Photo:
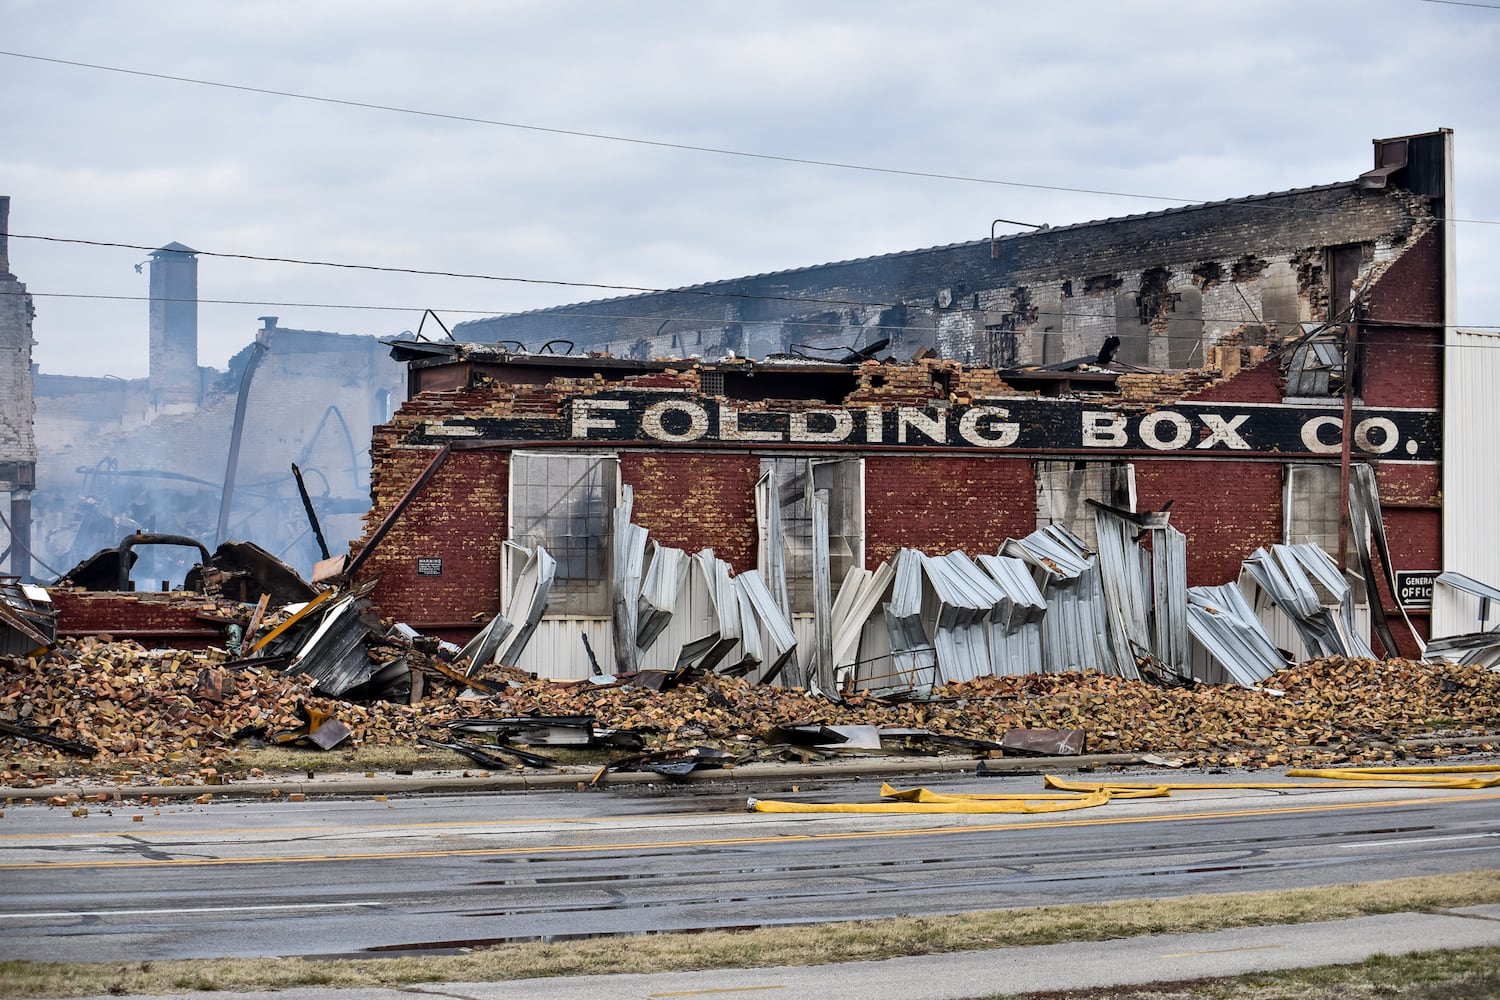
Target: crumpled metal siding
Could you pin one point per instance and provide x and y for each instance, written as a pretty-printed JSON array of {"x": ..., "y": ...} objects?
[
  {"x": 1016, "y": 621},
  {"x": 1125, "y": 573},
  {"x": 1075, "y": 629},
  {"x": 660, "y": 590},
  {"x": 1290, "y": 577},
  {"x": 1482, "y": 646},
  {"x": 956, "y": 608},
  {"x": 629, "y": 561},
  {"x": 1222, "y": 622},
  {"x": 913, "y": 657},
  {"x": 764, "y": 622}
]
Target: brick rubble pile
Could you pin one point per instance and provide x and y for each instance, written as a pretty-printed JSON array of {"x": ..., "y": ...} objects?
[{"x": 160, "y": 710}]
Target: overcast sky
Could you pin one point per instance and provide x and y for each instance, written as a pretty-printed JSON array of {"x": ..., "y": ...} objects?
[{"x": 1184, "y": 101}]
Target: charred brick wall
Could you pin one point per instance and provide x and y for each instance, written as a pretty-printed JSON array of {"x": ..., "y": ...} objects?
[
  {"x": 938, "y": 504},
  {"x": 17, "y": 438},
  {"x": 153, "y": 620},
  {"x": 1170, "y": 284},
  {"x": 697, "y": 500}
]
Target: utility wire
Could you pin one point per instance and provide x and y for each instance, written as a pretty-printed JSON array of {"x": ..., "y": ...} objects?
[
  {"x": 563, "y": 313},
  {"x": 639, "y": 289},
  {"x": 656, "y": 143}
]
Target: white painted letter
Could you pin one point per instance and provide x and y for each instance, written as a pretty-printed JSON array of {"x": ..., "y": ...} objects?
[
  {"x": 1314, "y": 442},
  {"x": 934, "y": 428},
  {"x": 843, "y": 424},
  {"x": 1224, "y": 431},
  {"x": 983, "y": 426},
  {"x": 1182, "y": 430},
  {"x": 1102, "y": 429},
  {"x": 585, "y": 421},
  {"x": 651, "y": 420},
  {"x": 1389, "y": 435}
]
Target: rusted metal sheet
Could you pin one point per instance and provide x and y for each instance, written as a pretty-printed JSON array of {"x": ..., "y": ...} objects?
[{"x": 1044, "y": 742}]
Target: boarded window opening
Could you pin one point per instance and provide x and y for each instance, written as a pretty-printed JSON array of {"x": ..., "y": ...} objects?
[
  {"x": 843, "y": 481},
  {"x": 1312, "y": 512},
  {"x": 565, "y": 503},
  {"x": 1063, "y": 490}
]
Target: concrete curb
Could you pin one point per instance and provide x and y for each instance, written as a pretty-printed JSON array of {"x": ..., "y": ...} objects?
[
  {"x": 352, "y": 785},
  {"x": 349, "y": 785}
]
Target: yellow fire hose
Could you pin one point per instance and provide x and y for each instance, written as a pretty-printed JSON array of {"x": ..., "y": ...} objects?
[{"x": 1073, "y": 794}]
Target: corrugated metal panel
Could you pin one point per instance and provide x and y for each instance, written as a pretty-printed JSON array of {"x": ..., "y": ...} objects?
[
  {"x": 628, "y": 564},
  {"x": 1226, "y": 629},
  {"x": 1305, "y": 584},
  {"x": 1470, "y": 605},
  {"x": 1170, "y": 592},
  {"x": 857, "y": 605},
  {"x": 660, "y": 593},
  {"x": 1480, "y": 643},
  {"x": 718, "y": 576},
  {"x": 772, "y": 540},
  {"x": 956, "y": 607},
  {"x": 1016, "y": 622},
  {"x": 764, "y": 620},
  {"x": 1471, "y": 473},
  {"x": 1125, "y": 572},
  {"x": 555, "y": 649},
  {"x": 913, "y": 658},
  {"x": 1075, "y": 630}
]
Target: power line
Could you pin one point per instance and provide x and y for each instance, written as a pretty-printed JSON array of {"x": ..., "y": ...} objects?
[
  {"x": 656, "y": 143},
  {"x": 564, "y": 314},
  {"x": 1465, "y": 3},
  {"x": 421, "y": 272}
]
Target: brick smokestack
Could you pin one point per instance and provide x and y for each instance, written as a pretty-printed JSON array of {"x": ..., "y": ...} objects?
[
  {"x": 4, "y": 234},
  {"x": 174, "y": 326}
]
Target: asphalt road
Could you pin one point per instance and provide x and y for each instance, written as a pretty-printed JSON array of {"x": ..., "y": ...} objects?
[{"x": 363, "y": 878}]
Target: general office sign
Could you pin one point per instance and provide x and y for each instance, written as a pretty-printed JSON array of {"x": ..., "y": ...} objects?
[{"x": 1014, "y": 425}]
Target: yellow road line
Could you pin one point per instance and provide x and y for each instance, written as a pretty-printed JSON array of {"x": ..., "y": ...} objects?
[
  {"x": 137, "y": 831},
  {"x": 546, "y": 849},
  {"x": 1221, "y": 951},
  {"x": 727, "y": 989}
]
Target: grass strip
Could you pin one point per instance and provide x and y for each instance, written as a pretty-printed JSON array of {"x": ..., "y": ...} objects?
[{"x": 815, "y": 944}]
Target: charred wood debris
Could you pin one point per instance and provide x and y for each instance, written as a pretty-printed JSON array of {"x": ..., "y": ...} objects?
[{"x": 327, "y": 673}]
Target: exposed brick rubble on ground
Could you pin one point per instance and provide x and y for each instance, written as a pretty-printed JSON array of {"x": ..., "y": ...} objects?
[{"x": 174, "y": 712}]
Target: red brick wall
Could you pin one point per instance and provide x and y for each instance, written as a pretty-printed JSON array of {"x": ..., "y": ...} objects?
[
  {"x": 460, "y": 517},
  {"x": 1261, "y": 384},
  {"x": 694, "y": 501},
  {"x": 1402, "y": 367},
  {"x": 943, "y": 503},
  {"x": 1408, "y": 485},
  {"x": 1227, "y": 510},
  {"x": 1411, "y": 289}
]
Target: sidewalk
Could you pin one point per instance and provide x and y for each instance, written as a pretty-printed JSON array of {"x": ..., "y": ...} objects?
[{"x": 968, "y": 975}]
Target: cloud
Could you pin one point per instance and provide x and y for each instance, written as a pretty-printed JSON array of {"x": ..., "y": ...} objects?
[{"x": 1214, "y": 102}]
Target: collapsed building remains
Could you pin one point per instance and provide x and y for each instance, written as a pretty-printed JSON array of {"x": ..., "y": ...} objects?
[{"x": 1247, "y": 393}]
